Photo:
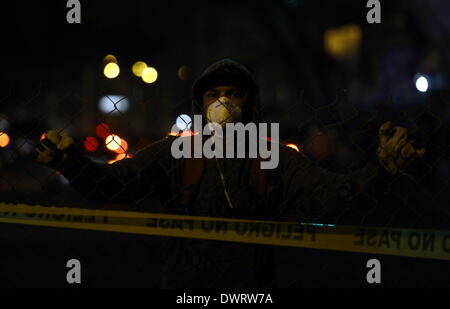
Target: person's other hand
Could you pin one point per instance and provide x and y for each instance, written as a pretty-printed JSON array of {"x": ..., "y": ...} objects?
[
  {"x": 52, "y": 149},
  {"x": 395, "y": 148}
]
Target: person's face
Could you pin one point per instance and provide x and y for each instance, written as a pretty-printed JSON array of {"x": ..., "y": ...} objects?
[{"x": 236, "y": 95}]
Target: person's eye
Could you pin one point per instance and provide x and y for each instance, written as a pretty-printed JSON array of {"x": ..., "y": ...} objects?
[{"x": 211, "y": 94}]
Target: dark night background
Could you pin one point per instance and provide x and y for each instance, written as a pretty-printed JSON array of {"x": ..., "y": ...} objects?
[{"x": 329, "y": 105}]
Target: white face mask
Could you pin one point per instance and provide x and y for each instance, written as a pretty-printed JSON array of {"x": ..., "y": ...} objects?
[{"x": 223, "y": 111}]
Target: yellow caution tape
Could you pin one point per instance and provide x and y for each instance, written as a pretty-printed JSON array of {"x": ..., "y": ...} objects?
[{"x": 432, "y": 244}]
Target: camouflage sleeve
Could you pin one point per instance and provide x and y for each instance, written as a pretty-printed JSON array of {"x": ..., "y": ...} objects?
[
  {"x": 311, "y": 192},
  {"x": 123, "y": 182}
]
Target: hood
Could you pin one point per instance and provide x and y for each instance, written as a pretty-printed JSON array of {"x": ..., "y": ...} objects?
[{"x": 228, "y": 72}]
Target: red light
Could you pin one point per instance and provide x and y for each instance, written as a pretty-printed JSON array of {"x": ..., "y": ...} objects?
[
  {"x": 102, "y": 130},
  {"x": 42, "y": 136},
  {"x": 90, "y": 144},
  {"x": 113, "y": 142}
]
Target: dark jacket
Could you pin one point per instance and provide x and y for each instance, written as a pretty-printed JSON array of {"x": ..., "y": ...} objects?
[{"x": 296, "y": 190}]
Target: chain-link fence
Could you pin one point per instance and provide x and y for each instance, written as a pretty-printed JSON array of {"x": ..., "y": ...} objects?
[{"x": 118, "y": 161}]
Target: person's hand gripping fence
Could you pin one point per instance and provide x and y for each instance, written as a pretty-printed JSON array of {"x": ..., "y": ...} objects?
[
  {"x": 395, "y": 148},
  {"x": 52, "y": 150}
]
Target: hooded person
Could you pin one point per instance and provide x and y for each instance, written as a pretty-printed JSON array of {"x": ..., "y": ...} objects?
[
  {"x": 295, "y": 190},
  {"x": 228, "y": 72}
]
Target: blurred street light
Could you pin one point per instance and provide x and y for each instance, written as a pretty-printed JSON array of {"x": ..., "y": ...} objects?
[
  {"x": 108, "y": 59},
  {"x": 342, "y": 42},
  {"x": 123, "y": 148},
  {"x": 111, "y": 70},
  {"x": 184, "y": 73},
  {"x": 90, "y": 144},
  {"x": 138, "y": 68},
  {"x": 149, "y": 75},
  {"x": 102, "y": 130},
  {"x": 113, "y": 104},
  {"x": 421, "y": 82},
  {"x": 293, "y": 146},
  {"x": 113, "y": 142},
  {"x": 119, "y": 157},
  {"x": 183, "y": 122},
  {"x": 4, "y": 139}
]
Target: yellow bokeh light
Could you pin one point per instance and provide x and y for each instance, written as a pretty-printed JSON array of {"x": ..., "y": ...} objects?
[
  {"x": 4, "y": 139},
  {"x": 343, "y": 42},
  {"x": 111, "y": 70},
  {"x": 138, "y": 68},
  {"x": 184, "y": 72},
  {"x": 149, "y": 75},
  {"x": 113, "y": 142},
  {"x": 108, "y": 59}
]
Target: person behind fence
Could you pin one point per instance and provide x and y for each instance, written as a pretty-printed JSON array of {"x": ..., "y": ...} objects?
[{"x": 296, "y": 189}]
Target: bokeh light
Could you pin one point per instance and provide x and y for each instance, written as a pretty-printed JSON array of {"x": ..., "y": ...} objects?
[
  {"x": 343, "y": 42},
  {"x": 183, "y": 122},
  {"x": 111, "y": 70},
  {"x": 184, "y": 73},
  {"x": 108, "y": 59},
  {"x": 149, "y": 75},
  {"x": 113, "y": 104},
  {"x": 102, "y": 130},
  {"x": 113, "y": 142},
  {"x": 4, "y": 139},
  {"x": 119, "y": 157},
  {"x": 293, "y": 146},
  {"x": 422, "y": 83},
  {"x": 123, "y": 148},
  {"x": 138, "y": 68},
  {"x": 182, "y": 134},
  {"x": 90, "y": 144}
]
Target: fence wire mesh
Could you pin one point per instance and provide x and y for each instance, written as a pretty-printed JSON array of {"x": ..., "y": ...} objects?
[{"x": 137, "y": 172}]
